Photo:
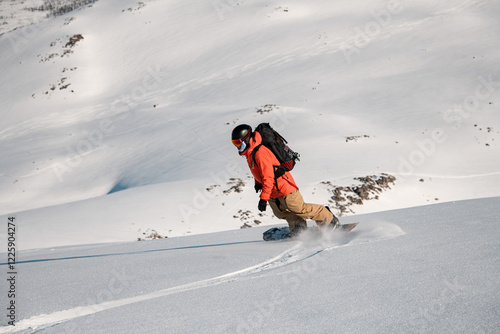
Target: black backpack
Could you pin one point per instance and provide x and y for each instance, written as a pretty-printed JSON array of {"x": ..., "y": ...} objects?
[{"x": 277, "y": 144}]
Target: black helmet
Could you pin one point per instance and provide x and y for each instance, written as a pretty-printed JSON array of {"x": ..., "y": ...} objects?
[
  {"x": 241, "y": 134},
  {"x": 242, "y": 131}
]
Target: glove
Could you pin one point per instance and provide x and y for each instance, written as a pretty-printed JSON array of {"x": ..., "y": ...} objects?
[
  {"x": 258, "y": 186},
  {"x": 262, "y": 205}
]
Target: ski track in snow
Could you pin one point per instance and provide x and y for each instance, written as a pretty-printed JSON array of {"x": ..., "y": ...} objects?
[{"x": 308, "y": 246}]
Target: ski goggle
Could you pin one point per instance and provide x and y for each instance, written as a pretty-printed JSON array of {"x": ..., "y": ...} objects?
[{"x": 237, "y": 142}]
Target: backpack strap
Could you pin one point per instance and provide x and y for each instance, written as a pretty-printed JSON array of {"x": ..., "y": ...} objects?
[
  {"x": 254, "y": 152},
  {"x": 279, "y": 171}
]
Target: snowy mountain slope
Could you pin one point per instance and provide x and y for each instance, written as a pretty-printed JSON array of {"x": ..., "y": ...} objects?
[
  {"x": 418, "y": 270},
  {"x": 15, "y": 14},
  {"x": 122, "y": 132}
]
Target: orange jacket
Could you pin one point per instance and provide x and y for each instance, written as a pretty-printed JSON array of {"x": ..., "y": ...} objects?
[{"x": 263, "y": 171}]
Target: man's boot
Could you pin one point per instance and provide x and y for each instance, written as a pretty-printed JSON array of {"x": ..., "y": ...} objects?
[{"x": 334, "y": 223}]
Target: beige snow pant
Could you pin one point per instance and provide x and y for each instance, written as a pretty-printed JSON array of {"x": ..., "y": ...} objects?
[{"x": 293, "y": 209}]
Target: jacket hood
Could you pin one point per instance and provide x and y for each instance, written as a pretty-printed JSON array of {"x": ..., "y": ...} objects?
[{"x": 255, "y": 140}]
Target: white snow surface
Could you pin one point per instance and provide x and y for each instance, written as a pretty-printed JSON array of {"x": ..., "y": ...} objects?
[
  {"x": 125, "y": 135},
  {"x": 430, "y": 269}
]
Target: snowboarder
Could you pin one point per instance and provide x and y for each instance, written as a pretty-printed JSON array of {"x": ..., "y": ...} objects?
[{"x": 282, "y": 193}]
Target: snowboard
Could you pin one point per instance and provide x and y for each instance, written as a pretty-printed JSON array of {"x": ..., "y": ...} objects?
[{"x": 280, "y": 233}]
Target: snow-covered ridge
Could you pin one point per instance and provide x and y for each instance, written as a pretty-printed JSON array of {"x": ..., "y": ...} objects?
[
  {"x": 18, "y": 14},
  {"x": 125, "y": 134}
]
